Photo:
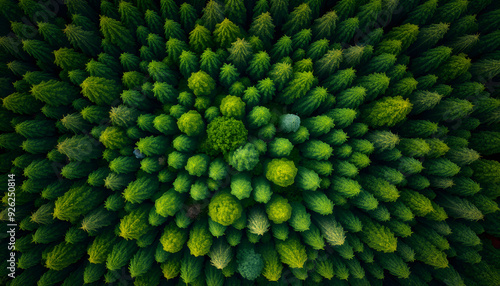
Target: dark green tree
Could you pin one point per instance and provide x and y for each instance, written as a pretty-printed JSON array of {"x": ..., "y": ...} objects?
[
  {"x": 116, "y": 33},
  {"x": 200, "y": 38},
  {"x": 188, "y": 16},
  {"x": 212, "y": 14}
]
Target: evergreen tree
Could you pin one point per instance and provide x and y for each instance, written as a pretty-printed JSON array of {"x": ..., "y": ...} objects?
[
  {"x": 169, "y": 9},
  {"x": 77, "y": 201},
  {"x": 291, "y": 252},
  {"x": 346, "y": 29},
  {"x": 212, "y": 15},
  {"x": 87, "y": 41},
  {"x": 298, "y": 87},
  {"x": 298, "y": 19},
  {"x": 317, "y": 49},
  {"x": 280, "y": 73},
  {"x": 328, "y": 63},
  {"x": 54, "y": 92},
  {"x": 200, "y": 38},
  {"x": 352, "y": 97},
  {"x": 429, "y": 36},
  {"x": 235, "y": 10},
  {"x": 240, "y": 53},
  {"x": 453, "y": 67},
  {"x": 375, "y": 84},
  {"x": 279, "y": 11},
  {"x": 431, "y": 59},
  {"x": 116, "y": 33},
  {"x": 406, "y": 33},
  {"x": 282, "y": 48},
  {"x": 39, "y": 50},
  {"x": 422, "y": 13},
  {"x": 324, "y": 27},
  {"x": 63, "y": 255},
  {"x": 263, "y": 27},
  {"x": 100, "y": 90},
  {"x": 387, "y": 111},
  {"x": 173, "y": 30},
  {"x": 188, "y": 16}
]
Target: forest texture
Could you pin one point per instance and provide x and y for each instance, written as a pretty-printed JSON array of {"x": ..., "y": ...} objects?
[{"x": 261, "y": 142}]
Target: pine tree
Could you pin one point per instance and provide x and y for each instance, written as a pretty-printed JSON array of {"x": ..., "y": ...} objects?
[
  {"x": 346, "y": 29},
  {"x": 100, "y": 90},
  {"x": 298, "y": 19},
  {"x": 240, "y": 53},
  {"x": 116, "y": 33},
  {"x": 375, "y": 84},
  {"x": 259, "y": 65},
  {"x": 279, "y": 11},
  {"x": 422, "y": 13},
  {"x": 173, "y": 30},
  {"x": 406, "y": 33},
  {"x": 324, "y": 27},
  {"x": 317, "y": 49},
  {"x": 298, "y": 87},
  {"x": 63, "y": 255},
  {"x": 318, "y": 202},
  {"x": 54, "y": 92},
  {"x": 280, "y": 74},
  {"x": 282, "y": 48},
  {"x": 387, "y": 111},
  {"x": 188, "y": 16},
  {"x": 453, "y": 67},
  {"x": 352, "y": 97},
  {"x": 313, "y": 100},
  {"x": 77, "y": 201},
  {"x": 87, "y": 41},
  {"x": 329, "y": 63},
  {"x": 39, "y": 50},
  {"x": 263, "y": 27},
  {"x": 369, "y": 13},
  {"x": 235, "y": 10},
  {"x": 200, "y": 38},
  {"x": 291, "y": 252},
  {"x": 212, "y": 15},
  {"x": 429, "y": 36}
]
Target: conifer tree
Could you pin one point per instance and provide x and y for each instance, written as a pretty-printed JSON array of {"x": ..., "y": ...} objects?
[
  {"x": 212, "y": 14},
  {"x": 422, "y": 13},
  {"x": 280, "y": 73},
  {"x": 100, "y": 90},
  {"x": 375, "y": 84},
  {"x": 54, "y": 92},
  {"x": 115, "y": 32},
  {"x": 235, "y": 10},
  {"x": 298, "y": 87},
  {"x": 298, "y": 19},
  {"x": 324, "y": 27},
  {"x": 282, "y": 48},
  {"x": 346, "y": 29},
  {"x": 87, "y": 41},
  {"x": 240, "y": 53},
  {"x": 387, "y": 111},
  {"x": 291, "y": 252},
  {"x": 187, "y": 15},
  {"x": 279, "y": 11},
  {"x": 173, "y": 30}
]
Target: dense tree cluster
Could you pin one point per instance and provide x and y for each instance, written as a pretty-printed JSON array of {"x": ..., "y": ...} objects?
[{"x": 263, "y": 142}]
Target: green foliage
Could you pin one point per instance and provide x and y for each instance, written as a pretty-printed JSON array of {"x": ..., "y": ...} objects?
[
  {"x": 226, "y": 134},
  {"x": 224, "y": 209},
  {"x": 261, "y": 131},
  {"x": 282, "y": 172},
  {"x": 278, "y": 209},
  {"x": 291, "y": 252}
]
